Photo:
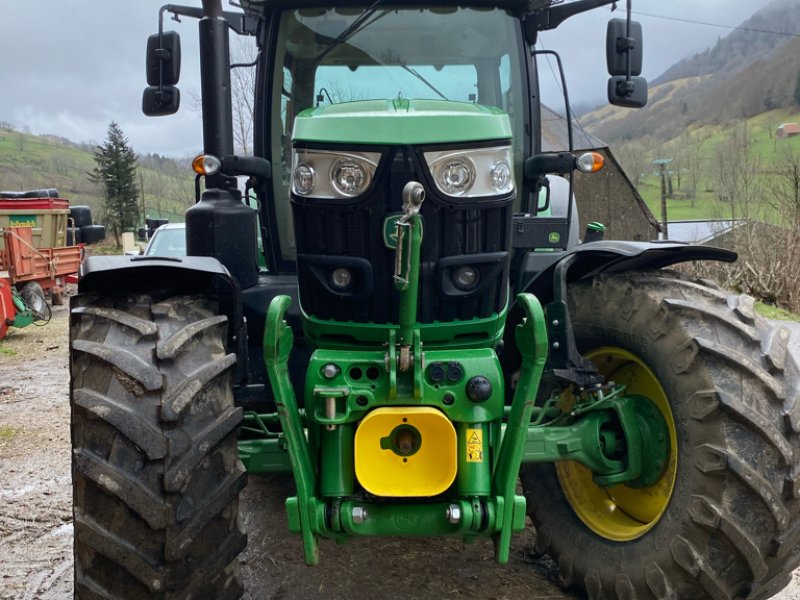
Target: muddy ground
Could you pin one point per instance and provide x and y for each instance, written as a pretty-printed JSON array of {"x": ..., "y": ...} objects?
[{"x": 36, "y": 517}]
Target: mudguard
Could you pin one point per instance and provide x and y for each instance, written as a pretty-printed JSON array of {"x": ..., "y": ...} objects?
[
  {"x": 194, "y": 274},
  {"x": 609, "y": 256},
  {"x": 167, "y": 276},
  {"x": 537, "y": 270}
]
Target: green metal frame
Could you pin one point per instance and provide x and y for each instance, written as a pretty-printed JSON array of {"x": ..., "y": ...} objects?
[
  {"x": 614, "y": 435},
  {"x": 357, "y": 368}
]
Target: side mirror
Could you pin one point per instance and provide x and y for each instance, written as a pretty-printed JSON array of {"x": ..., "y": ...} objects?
[
  {"x": 163, "y": 66},
  {"x": 163, "y": 58},
  {"x": 160, "y": 102},
  {"x": 630, "y": 93},
  {"x": 622, "y": 46}
]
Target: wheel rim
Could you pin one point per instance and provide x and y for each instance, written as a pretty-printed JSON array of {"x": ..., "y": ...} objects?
[
  {"x": 35, "y": 300},
  {"x": 621, "y": 513}
]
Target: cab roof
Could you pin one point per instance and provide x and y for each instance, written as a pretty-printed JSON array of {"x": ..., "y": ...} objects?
[{"x": 527, "y": 6}]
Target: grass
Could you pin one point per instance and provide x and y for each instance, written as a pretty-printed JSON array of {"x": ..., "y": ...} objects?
[
  {"x": 6, "y": 351},
  {"x": 773, "y": 312},
  {"x": 706, "y": 205},
  {"x": 7, "y": 433},
  {"x": 106, "y": 250}
]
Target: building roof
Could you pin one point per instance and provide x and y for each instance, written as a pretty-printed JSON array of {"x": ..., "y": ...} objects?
[
  {"x": 700, "y": 232},
  {"x": 789, "y": 128}
]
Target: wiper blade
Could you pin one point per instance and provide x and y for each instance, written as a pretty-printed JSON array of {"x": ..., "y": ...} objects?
[
  {"x": 416, "y": 74},
  {"x": 351, "y": 29}
]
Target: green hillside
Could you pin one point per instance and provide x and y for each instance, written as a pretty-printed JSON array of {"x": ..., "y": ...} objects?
[
  {"x": 774, "y": 162},
  {"x": 41, "y": 161}
]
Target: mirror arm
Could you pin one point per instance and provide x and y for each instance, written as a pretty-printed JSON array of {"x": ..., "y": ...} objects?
[
  {"x": 241, "y": 23},
  {"x": 630, "y": 44},
  {"x": 627, "y": 44},
  {"x": 550, "y": 18}
]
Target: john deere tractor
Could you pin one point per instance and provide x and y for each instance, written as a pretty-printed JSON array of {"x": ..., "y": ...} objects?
[{"x": 428, "y": 330}]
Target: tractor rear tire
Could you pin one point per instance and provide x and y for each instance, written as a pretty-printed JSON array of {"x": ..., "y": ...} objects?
[
  {"x": 724, "y": 520},
  {"x": 155, "y": 469}
]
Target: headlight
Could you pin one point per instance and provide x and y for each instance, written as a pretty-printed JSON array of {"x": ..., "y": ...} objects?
[
  {"x": 455, "y": 175},
  {"x": 350, "y": 177},
  {"x": 472, "y": 173},
  {"x": 305, "y": 179},
  {"x": 326, "y": 174}
]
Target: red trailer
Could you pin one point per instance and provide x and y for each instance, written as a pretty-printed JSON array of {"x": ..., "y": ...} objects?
[
  {"x": 41, "y": 239},
  {"x": 47, "y": 267}
]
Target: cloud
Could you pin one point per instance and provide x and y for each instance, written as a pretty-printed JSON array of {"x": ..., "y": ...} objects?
[{"x": 78, "y": 64}]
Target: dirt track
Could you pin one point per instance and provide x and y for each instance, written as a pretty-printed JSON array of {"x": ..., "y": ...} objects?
[{"x": 36, "y": 515}]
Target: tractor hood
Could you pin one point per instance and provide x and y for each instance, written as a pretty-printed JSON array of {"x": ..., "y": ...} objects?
[{"x": 403, "y": 122}]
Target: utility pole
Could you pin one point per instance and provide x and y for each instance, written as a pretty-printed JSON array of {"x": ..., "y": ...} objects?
[
  {"x": 662, "y": 168},
  {"x": 141, "y": 189}
]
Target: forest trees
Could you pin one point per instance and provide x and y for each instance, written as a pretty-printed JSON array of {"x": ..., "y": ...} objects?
[{"x": 115, "y": 170}]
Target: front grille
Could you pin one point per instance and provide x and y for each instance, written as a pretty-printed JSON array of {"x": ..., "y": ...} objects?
[{"x": 349, "y": 234}]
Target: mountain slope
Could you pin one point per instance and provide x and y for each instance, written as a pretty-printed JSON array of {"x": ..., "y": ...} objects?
[
  {"x": 747, "y": 73},
  {"x": 29, "y": 162},
  {"x": 743, "y": 46}
]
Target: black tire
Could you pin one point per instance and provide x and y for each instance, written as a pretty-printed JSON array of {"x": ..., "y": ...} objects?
[
  {"x": 32, "y": 295},
  {"x": 731, "y": 524},
  {"x": 155, "y": 469},
  {"x": 91, "y": 234},
  {"x": 81, "y": 215},
  {"x": 73, "y": 236}
]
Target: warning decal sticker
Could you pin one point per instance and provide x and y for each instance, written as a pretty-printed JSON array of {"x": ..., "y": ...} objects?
[{"x": 474, "y": 445}]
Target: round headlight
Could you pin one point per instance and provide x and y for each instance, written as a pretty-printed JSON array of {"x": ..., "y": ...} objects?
[
  {"x": 465, "y": 278},
  {"x": 305, "y": 179},
  {"x": 341, "y": 279},
  {"x": 349, "y": 177},
  {"x": 456, "y": 176},
  {"x": 501, "y": 177}
]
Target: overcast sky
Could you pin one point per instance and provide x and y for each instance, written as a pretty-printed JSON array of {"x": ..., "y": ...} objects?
[{"x": 69, "y": 67}]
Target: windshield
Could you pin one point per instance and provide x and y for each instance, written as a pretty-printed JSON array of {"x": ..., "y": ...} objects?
[
  {"x": 168, "y": 242},
  {"x": 333, "y": 55}
]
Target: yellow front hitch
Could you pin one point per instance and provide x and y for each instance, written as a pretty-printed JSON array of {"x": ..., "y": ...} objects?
[{"x": 406, "y": 452}]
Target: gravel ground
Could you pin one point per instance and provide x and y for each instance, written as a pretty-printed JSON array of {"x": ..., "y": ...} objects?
[{"x": 36, "y": 527}]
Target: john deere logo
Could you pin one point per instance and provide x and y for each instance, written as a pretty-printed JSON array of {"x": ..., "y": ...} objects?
[
  {"x": 390, "y": 230},
  {"x": 554, "y": 237}
]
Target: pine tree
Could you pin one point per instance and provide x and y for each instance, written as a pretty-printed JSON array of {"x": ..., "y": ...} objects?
[{"x": 116, "y": 171}]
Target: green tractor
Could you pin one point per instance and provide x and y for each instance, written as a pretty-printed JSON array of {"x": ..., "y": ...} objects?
[{"x": 428, "y": 336}]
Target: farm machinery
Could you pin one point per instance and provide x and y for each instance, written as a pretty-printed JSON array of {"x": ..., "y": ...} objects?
[
  {"x": 39, "y": 250},
  {"x": 429, "y": 337}
]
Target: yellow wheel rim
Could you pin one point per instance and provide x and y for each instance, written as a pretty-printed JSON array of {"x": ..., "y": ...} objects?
[{"x": 622, "y": 513}]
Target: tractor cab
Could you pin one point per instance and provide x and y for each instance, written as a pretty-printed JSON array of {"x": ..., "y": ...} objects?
[{"x": 407, "y": 75}]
